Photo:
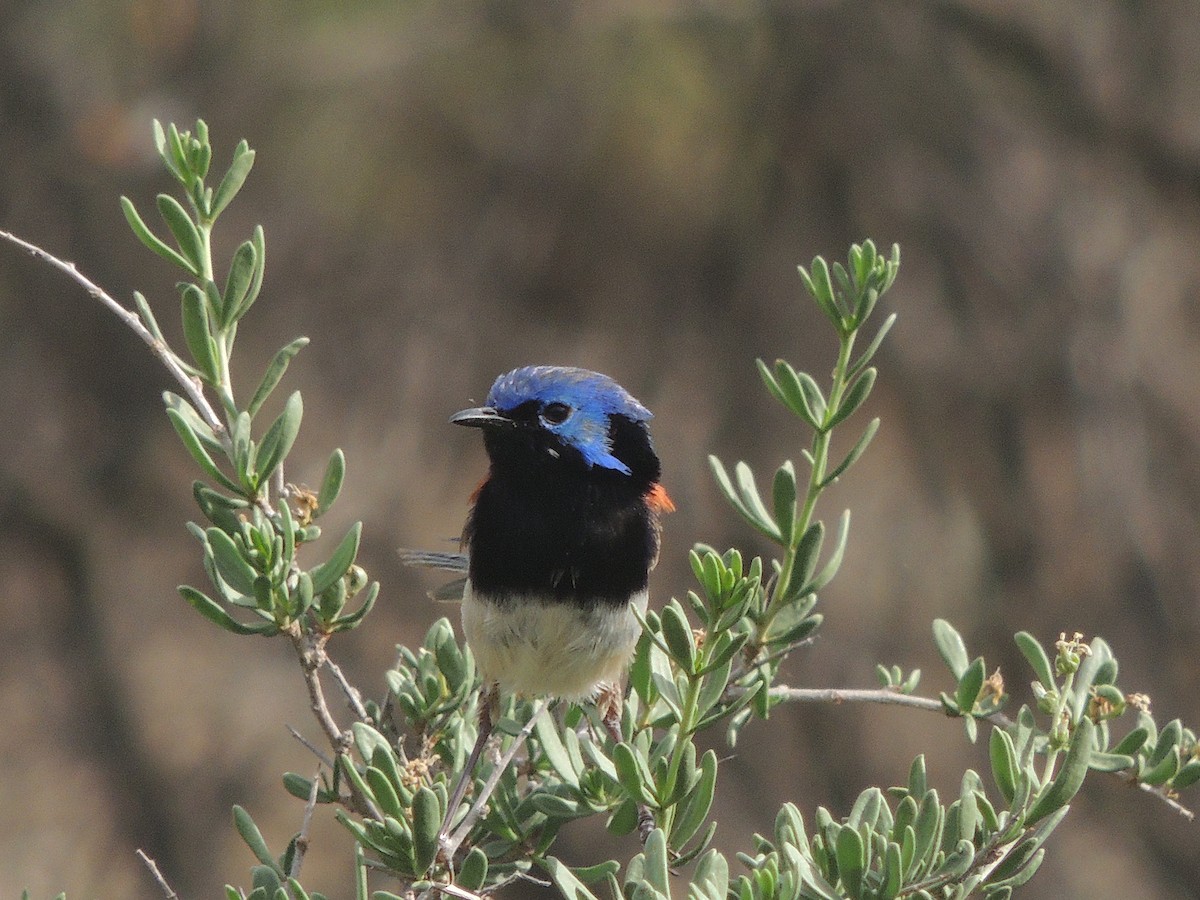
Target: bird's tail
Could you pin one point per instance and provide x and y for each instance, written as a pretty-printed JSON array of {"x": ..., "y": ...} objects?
[{"x": 439, "y": 559}]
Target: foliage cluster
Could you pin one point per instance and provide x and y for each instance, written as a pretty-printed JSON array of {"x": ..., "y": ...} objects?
[{"x": 708, "y": 661}]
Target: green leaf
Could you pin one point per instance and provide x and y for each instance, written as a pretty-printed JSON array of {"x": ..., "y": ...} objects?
[
  {"x": 278, "y": 440},
  {"x": 191, "y": 246},
  {"x": 970, "y": 683},
  {"x": 821, "y": 288},
  {"x": 384, "y": 792},
  {"x": 324, "y": 575},
  {"x": 331, "y": 484},
  {"x": 235, "y": 177},
  {"x": 1111, "y": 762},
  {"x": 1070, "y": 776},
  {"x": 148, "y": 238},
  {"x": 873, "y": 347},
  {"x": 236, "y": 299},
  {"x": 147, "y": 317},
  {"x": 917, "y": 780},
  {"x": 631, "y": 775},
  {"x": 254, "y": 839},
  {"x": 745, "y": 497},
  {"x": 854, "y": 397},
  {"x": 893, "y": 873},
  {"x": 783, "y": 496},
  {"x": 564, "y": 879},
  {"x": 851, "y": 858},
  {"x": 1187, "y": 775},
  {"x": 860, "y": 447},
  {"x": 797, "y": 391},
  {"x": 1004, "y": 763},
  {"x": 473, "y": 871},
  {"x": 274, "y": 374},
  {"x": 834, "y": 562},
  {"x": 678, "y": 636},
  {"x": 1035, "y": 655},
  {"x": 231, "y": 564},
  {"x": 216, "y": 305},
  {"x": 1168, "y": 738},
  {"x": 193, "y": 445},
  {"x": 176, "y": 157},
  {"x": 197, "y": 332},
  {"x": 692, "y": 811},
  {"x": 556, "y": 754},
  {"x": 657, "y": 870},
  {"x": 427, "y": 819},
  {"x": 951, "y": 647},
  {"x": 1162, "y": 771},
  {"x": 214, "y": 612}
]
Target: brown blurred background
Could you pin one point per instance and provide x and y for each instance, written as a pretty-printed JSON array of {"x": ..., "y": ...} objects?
[{"x": 453, "y": 189}]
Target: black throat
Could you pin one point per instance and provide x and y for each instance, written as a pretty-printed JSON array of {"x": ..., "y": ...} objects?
[{"x": 550, "y": 527}]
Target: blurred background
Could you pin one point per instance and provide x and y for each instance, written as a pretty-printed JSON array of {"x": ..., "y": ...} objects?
[{"x": 453, "y": 189}]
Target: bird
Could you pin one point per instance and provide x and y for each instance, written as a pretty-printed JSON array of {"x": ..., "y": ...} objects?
[
  {"x": 560, "y": 538},
  {"x": 562, "y": 533}
]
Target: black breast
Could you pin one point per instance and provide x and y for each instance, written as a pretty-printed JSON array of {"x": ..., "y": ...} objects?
[{"x": 565, "y": 531}]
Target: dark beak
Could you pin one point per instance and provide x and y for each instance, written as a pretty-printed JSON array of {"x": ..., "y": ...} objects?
[{"x": 482, "y": 417}]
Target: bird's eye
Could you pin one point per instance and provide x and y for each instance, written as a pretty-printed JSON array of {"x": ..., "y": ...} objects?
[{"x": 556, "y": 413}]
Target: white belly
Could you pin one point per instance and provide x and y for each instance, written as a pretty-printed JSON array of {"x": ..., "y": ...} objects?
[{"x": 536, "y": 648}]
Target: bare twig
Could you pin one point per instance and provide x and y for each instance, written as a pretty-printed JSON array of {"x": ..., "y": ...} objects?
[
  {"x": 302, "y": 837},
  {"x": 1168, "y": 799},
  {"x": 464, "y": 828},
  {"x": 311, "y": 747},
  {"x": 168, "y": 891},
  {"x": 874, "y": 695},
  {"x": 353, "y": 697},
  {"x": 191, "y": 386},
  {"x": 453, "y": 890},
  {"x": 310, "y": 649}
]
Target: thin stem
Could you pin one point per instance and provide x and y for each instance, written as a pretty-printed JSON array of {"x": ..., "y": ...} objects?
[
  {"x": 820, "y": 463},
  {"x": 353, "y": 698},
  {"x": 1056, "y": 741},
  {"x": 311, "y": 747},
  {"x": 191, "y": 386},
  {"x": 454, "y": 841},
  {"x": 687, "y": 726},
  {"x": 310, "y": 649},
  {"x": 302, "y": 837},
  {"x": 891, "y": 698},
  {"x": 168, "y": 891}
]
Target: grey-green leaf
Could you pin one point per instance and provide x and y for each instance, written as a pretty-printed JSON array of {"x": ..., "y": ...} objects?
[
  {"x": 184, "y": 230},
  {"x": 237, "y": 283},
  {"x": 231, "y": 565},
  {"x": 150, "y": 240},
  {"x": 1035, "y": 655},
  {"x": 854, "y": 397},
  {"x": 274, "y": 373},
  {"x": 324, "y": 575},
  {"x": 254, "y": 839},
  {"x": 860, "y": 447},
  {"x": 427, "y": 818},
  {"x": 951, "y": 647},
  {"x": 331, "y": 484},
  {"x": 970, "y": 683},
  {"x": 1070, "y": 777},
  {"x": 197, "y": 332},
  {"x": 235, "y": 177},
  {"x": 278, "y": 440},
  {"x": 215, "y": 613}
]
